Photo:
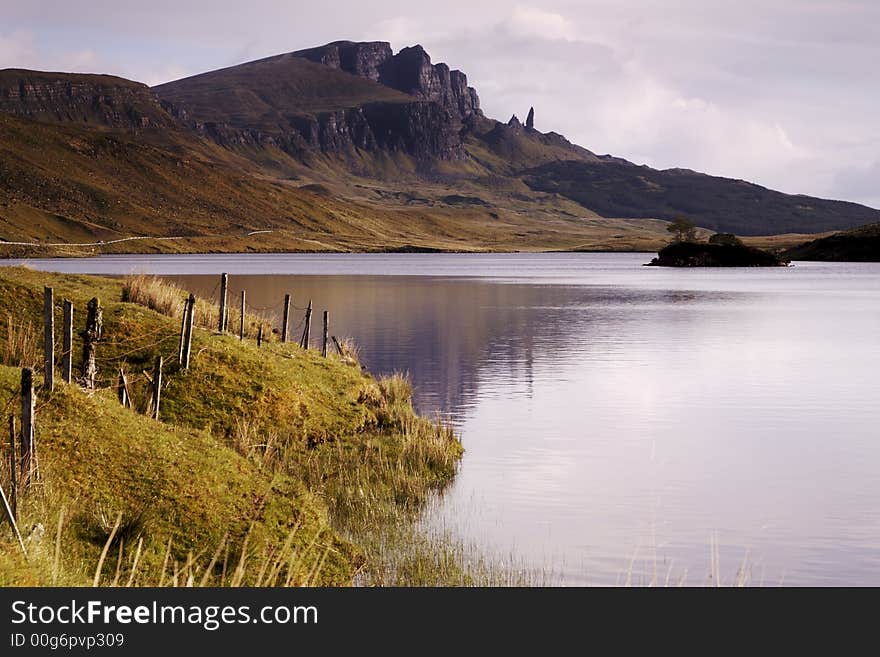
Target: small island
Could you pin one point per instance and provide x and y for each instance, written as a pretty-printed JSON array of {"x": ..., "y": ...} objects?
[
  {"x": 722, "y": 250},
  {"x": 701, "y": 254}
]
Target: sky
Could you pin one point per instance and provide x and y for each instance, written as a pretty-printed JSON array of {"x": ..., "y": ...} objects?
[{"x": 785, "y": 93}]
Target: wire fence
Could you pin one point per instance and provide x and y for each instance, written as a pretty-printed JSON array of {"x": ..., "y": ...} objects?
[
  {"x": 110, "y": 357},
  {"x": 119, "y": 352}
]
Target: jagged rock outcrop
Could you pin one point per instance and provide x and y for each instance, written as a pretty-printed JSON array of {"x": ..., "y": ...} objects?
[
  {"x": 363, "y": 59},
  {"x": 514, "y": 123},
  {"x": 398, "y": 103},
  {"x": 409, "y": 71},
  {"x": 79, "y": 98},
  {"x": 530, "y": 119},
  {"x": 412, "y": 72}
]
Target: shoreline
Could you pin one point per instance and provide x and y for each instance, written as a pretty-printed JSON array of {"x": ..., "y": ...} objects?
[{"x": 256, "y": 450}]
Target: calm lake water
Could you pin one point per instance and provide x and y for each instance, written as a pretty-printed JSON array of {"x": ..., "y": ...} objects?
[{"x": 619, "y": 420}]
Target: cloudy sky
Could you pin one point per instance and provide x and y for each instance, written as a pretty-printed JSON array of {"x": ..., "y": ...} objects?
[{"x": 785, "y": 93}]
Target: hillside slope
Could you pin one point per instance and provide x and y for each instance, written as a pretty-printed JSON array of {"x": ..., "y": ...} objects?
[
  {"x": 857, "y": 245},
  {"x": 247, "y": 455},
  {"x": 622, "y": 189},
  {"x": 69, "y": 183}
]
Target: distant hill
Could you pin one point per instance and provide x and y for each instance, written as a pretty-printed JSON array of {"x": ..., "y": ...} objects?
[
  {"x": 622, "y": 189},
  {"x": 858, "y": 245},
  {"x": 344, "y": 146}
]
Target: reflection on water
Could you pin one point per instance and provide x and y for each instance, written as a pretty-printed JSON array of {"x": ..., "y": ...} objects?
[{"x": 617, "y": 417}]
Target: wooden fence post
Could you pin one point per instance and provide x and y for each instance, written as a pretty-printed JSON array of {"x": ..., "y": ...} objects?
[
  {"x": 91, "y": 334},
  {"x": 260, "y": 335},
  {"x": 224, "y": 286},
  {"x": 28, "y": 443},
  {"x": 241, "y": 322},
  {"x": 12, "y": 522},
  {"x": 326, "y": 333},
  {"x": 48, "y": 338},
  {"x": 187, "y": 334},
  {"x": 13, "y": 476},
  {"x": 157, "y": 386},
  {"x": 182, "y": 332},
  {"x": 286, "y": 318},
  {"x": 304, "y": 341},
  {"x": 122, "y": 389},
  {"x": 67, "y": 343}
]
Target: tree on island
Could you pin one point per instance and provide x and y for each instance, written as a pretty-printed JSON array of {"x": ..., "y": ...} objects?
[{"x": 683, "y": 229}]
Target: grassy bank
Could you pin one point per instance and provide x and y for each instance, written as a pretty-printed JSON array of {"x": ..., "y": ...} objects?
[{"x": 268, "y": 465}]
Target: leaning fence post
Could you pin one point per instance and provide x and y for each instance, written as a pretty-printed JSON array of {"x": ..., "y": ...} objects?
[
  {"x": 122, "y": 389},
  {"x": 91, "y": 334},
  {"x": 187, "y": 335},
  {"x": 12, "y": 522},
  {"x": 224, "y": 285},
  {"x": 49, "y": 338},
  {"x": 260, "y": 335},
  {"x": 67, "y": 343},
  {"x": 241, "y": 321},
  {"x": 326, "y": 333},
  {"x": 304, "y": 341},
  {"x": 157, "y": 386},
  {"x": 13, "y": 477},
  {"x": 28, "y": 444},
  {"x": 286, "y": 318}
]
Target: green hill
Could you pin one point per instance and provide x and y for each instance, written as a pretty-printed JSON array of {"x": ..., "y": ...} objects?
[{"x": 277, "y": 462}]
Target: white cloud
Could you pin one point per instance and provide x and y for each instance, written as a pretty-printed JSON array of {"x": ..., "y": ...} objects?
[
  {"x": 686, "y": 108},
  {"x": 399, "y": 30},
  {"x": 82, "y": 60},
  {"x": 153, "y": 77},
  {"x": 859, "y": 181},
  {"x": 17, "y": 49},
  {"x": 533, "y": 22}
]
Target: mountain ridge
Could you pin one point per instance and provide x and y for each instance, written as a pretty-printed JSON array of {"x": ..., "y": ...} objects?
[{"x": 390, "y": 135}]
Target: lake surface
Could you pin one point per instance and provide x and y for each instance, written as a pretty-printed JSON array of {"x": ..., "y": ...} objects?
[{"x": 619, "y": 420}]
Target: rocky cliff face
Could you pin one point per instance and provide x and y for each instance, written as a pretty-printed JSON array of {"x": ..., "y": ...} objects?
[
  {"x": 409, "y": 71},
  {"x": 363, "y": 59},
  {"x": 421, "y": 129},
  {"x": 94, "y": 99}
]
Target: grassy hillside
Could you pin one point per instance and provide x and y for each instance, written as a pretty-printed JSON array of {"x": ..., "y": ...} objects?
[
  {"x": 268, "y": 465},
  {"x": 858, "y": 245},
  {"x": 721, "y": 204},
  {"x": 264, "y": 94},
  {"x": 73, "y": 184}
]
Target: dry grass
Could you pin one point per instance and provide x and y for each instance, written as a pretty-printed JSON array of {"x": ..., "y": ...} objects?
[
  {"x": 22, "y": 344},
  {"x": 124, "y": 560},
  {"x": 169, "y": 300},
  {"x": 154, "y": 294},
  {"x": 263, "y": 447},
  {"x": 349, "y": 351}
]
